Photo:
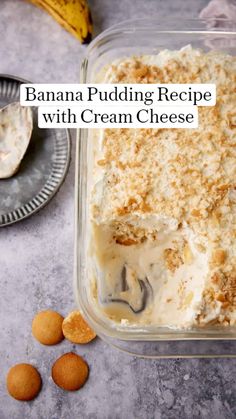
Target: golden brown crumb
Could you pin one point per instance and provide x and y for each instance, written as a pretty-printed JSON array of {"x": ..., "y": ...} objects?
[
  {"x": 218, "y": 257},
  {"x": 126, "y": 241},
  {"x": 173, "y": 259}
]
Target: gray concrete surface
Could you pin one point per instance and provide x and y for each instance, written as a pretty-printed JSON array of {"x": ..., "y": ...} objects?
[{"x": 36, "y": 262}]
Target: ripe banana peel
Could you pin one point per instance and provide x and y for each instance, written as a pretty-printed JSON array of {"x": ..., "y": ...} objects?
[{"x": 73, "y": 15}]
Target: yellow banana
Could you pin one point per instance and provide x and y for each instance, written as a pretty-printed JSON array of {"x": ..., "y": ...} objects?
[{"x": 73, "y": 15}]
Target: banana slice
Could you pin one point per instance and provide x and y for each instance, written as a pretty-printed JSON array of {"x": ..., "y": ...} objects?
[{"x": 16, "y": 125}]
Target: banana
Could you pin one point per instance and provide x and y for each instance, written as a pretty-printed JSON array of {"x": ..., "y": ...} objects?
[{"x": 73, "y": 15}]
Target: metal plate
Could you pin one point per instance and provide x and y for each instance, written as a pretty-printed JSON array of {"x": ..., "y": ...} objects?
[{"x": 42, "y": 169}]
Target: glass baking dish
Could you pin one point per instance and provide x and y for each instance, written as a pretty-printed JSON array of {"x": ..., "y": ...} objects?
[{"x": 139, "y": 37}]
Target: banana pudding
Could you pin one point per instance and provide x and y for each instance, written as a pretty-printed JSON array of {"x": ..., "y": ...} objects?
[{"x": 163, "y": 203}]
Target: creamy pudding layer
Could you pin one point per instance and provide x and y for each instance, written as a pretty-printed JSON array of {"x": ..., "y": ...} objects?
[{"x": 163, "y": 203}]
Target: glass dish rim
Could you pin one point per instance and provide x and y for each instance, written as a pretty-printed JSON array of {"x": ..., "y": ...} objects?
[
  {"x": 131, "y": 25},
  {"x": 103, "y": 328}
]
